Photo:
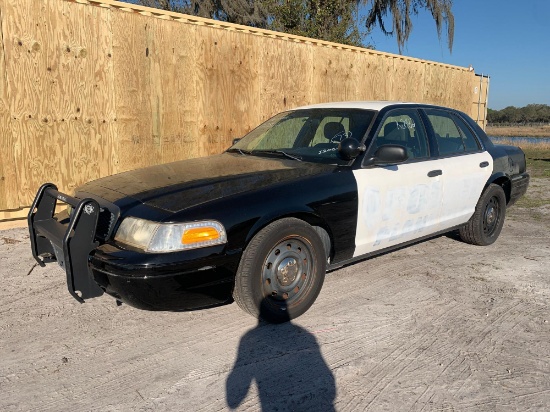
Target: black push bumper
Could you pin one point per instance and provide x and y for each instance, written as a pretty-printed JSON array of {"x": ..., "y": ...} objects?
[{"x": 68, "y": 244}]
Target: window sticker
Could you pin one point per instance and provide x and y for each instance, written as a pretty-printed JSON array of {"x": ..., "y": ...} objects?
[
  {"x": 337, "y": 138},
  {"x": 407, "y": 123}
]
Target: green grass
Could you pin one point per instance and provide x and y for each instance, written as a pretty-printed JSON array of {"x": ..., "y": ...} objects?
[
  {"x": 531, "y": 203},
  {"x": 538, "y": 162},
  {"x": 538, "y": 166}
]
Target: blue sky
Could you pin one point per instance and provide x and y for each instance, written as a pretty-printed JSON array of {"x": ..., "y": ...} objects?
[{"x": 508, "y": 40}]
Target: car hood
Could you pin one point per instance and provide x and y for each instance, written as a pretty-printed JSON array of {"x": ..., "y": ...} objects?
[{"x": 183, "y": 184}]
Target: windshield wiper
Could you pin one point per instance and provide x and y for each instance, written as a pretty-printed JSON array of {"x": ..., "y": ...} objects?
[
  {"x": 289, "y": 155},
  {"x": 243, "y": 152},
  {"x": 279, "y": 151}
]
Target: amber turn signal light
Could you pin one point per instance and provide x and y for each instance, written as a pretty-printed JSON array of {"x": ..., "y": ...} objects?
[{"x": 199, "y": 234}]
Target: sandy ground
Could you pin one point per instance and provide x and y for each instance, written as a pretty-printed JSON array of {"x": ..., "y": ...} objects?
[{"x": 438, "y": 326}]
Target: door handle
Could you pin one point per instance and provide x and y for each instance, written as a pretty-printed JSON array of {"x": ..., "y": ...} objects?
[
  {"x": 484, "y": 164},
  {"x": 435, "y": 173}
]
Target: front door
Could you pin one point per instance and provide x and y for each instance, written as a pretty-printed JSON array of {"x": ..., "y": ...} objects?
[{"x": 402, "y": 202}]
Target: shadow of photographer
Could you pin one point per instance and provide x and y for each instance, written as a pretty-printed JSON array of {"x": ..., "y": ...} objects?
[{"x": 286, "y": 363}]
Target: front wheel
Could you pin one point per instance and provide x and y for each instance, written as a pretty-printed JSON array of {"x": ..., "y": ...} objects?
[
  {"x": 486, "y": 223},
  {"x": 281, "y": 271}
]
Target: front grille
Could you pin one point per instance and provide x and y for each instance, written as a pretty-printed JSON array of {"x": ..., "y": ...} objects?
[{"x": 105, "y": 223}]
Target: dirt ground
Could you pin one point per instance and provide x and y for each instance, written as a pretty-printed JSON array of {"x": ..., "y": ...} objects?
[{"x": 438, "y": 326}]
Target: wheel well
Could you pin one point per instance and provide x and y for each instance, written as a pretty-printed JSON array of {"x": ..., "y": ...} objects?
[
  {"x": 325, "y": 237},
  {"x": 506, "y": 185},
  {"x": 320, "y": 227},
  {"x": 314, "y": 221}
]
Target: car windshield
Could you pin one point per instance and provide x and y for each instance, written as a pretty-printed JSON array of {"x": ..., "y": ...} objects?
[{"x": 311, "y": 135}]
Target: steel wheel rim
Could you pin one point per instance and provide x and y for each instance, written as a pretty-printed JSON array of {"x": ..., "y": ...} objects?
[
  {"x": 491, "y": 216},
  {"x": 287, "y": 271}
]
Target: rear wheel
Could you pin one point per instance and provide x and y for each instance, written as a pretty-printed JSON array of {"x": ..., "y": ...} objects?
[
  {"x": 485, "y": 225},
  {"x": 281, "y": 271}
]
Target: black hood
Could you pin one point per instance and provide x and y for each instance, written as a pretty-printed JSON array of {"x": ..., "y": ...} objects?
[{"x": 179, "y": 185}]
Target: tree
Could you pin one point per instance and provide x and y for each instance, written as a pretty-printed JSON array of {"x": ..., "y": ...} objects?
[
  {"x": 246, "y": 12},
  {"x": 532, "y": 113},
  {"x": 331, "y": 20},
  {"x": 169, "y": 5},
  {"x": 401, "y": 12}
]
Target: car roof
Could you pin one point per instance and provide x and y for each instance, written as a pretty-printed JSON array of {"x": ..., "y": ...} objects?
[{"x": 369, "y": 105}]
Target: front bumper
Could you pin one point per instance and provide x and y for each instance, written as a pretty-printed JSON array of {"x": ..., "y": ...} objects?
[
  {"x": 203, "y": 279},
  {"x": 176, "y": 281}
]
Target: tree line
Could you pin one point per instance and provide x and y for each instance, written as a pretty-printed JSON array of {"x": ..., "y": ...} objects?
[
  {"x": 339, "y": 21},
  {"x": 532, "y": 113}
]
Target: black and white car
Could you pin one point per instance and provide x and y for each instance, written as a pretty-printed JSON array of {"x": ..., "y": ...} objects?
[{"x": 310, "y": 190}]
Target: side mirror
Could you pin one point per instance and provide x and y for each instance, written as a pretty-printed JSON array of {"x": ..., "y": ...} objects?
[
  {"x": 349, "y": 148},
  {"x": 235, "y": 140},
  {"x": 388, "y": 155}
]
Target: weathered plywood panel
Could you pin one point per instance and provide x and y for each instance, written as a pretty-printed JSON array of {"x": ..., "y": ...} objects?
[
  {"x": 479, "y": 88},
  {"x": 57, "y": 83},
  {"x": 278, "y": 90},
  {"x": 433, "y": 92},
  {"x": 394, "y": 73},
  {"x": 462, "y": 89},
  {"x": 87, "y": 84},
  {"x": 378, "y": 67},
  {"x": 173, "y": 88},
  {"x": 367, "y": 76},
  {"x": 23, "y": 43},
  {"x": 228, "y": 87},
  {"x": 66, "y": 153},
  {"x": 334, "y": 75},
  {"x": 450, "y": 91},
  {"x": 410, "y": 77},
  {"x": 9, "y": 193},
  {"x": 387, "y": 81},
  {"x": 138, "y": 144}
]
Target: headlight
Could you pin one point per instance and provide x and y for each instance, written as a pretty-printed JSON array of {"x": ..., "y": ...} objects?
[{"x": 170, "y": 237}]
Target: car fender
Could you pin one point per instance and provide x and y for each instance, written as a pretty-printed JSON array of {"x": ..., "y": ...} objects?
[
  {"x": 307, "y": 215},
  {"x": 503, "y": 180}
]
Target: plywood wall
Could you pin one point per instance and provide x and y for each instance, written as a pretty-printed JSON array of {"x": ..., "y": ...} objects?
[
  {"x": 90, "y": 88},
  {"x": 480, "y": 100}
]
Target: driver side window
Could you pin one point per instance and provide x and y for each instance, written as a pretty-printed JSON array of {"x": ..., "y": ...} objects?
[{"x": 403, "y": 127}]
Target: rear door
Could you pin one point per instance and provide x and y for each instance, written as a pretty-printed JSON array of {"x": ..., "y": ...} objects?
[
  {"x": 402, "y": 202},
  {"x": 465, "y": 167}
]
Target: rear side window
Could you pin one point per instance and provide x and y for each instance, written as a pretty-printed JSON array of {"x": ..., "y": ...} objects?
[
  {"x": 452, "y": 135},
  {"x": 470, "y": 142}
]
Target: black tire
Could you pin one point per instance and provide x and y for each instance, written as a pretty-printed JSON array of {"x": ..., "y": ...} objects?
[
  {"x": 281, "y": 271},
  {"x": 486, "y": 223}
]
